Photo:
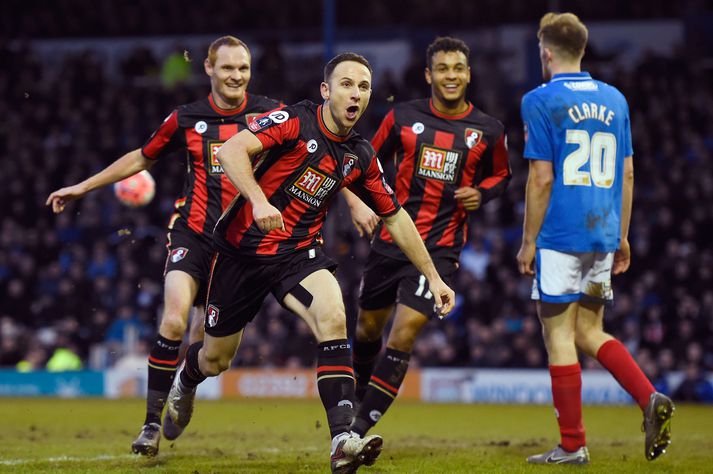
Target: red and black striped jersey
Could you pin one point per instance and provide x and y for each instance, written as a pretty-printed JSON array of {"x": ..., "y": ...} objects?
[
  {"x": 201, "y": 128},
  {"x": 435, "y": 154},
  {"x": 303, "y": 169}
]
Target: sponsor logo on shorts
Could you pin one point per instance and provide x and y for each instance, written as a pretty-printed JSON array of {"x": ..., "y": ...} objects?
[
  {"x": 438, "y": 163},
  {"x": 178, "y": 254},
  {"x": 375, "y": 415},
  {"x": 345, "y": 403},
  {"x": 212, "y": 314},
  {"x": 599, "y": 289},
  {"x": 213, "y": 147},
  {"x": 473, "y": 137},
  {"x": 312, "y": 187}
]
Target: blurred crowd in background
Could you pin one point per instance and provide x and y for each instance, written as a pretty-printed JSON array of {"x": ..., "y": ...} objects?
[{"x": 87, "y": 284}]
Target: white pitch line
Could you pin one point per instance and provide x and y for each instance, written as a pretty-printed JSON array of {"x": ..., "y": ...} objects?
[
  {"x": 110, "y": 457},
  {"x": 103, "y": 457}
]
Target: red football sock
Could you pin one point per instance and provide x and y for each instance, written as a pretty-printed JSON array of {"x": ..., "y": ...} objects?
[
  {"x": 567, "y": 398},
  {"x": 617, "y": 360}
]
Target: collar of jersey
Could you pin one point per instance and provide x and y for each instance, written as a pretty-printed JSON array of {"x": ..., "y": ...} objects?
[
  {"x": 459, "y": 116},
  {"x": 237, "y": 110},
  {"x": 332, "y": 136},
  {"x": 571, "y": 76}
]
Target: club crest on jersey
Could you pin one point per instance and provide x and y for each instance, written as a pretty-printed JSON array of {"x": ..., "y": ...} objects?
[
  {"x": 349, "y": 162},
  {"x": 438, "y": 163},
  {"x": 213, "y": 147},
  {"x": 312, "y": 187},
  {"x": 472, "y": 137},
  {"x": 212, "y": 314},
  {"x": 178, "y": 254}
]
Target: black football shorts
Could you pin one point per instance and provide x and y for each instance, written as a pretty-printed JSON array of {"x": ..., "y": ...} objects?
[
  {"x": 238, "y": 287},
  {"x": 190, "y": 253},
  {"x": 387, "y": 281}
]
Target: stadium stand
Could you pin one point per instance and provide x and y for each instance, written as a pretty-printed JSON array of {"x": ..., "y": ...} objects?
[{"x": 88, "y": 280}]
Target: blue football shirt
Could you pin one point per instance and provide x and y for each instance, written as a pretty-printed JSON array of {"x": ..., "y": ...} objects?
[{"x": 582, "y": 126}]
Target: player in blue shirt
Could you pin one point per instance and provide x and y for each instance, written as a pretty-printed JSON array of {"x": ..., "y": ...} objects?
[{"x": 577, "y": 213}]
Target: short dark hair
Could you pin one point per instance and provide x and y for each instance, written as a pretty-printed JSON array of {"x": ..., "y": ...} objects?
[
  {"x": 446, "y": 44},
  {"x": 340, "y": 58}
]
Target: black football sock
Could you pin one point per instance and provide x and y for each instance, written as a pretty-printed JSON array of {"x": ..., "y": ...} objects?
[
  {"x": 382, "y": 390},
  {"x": 365, "y": 355},
  {"x": 191, "y": 374},
  {"x": 162, "y": 362},
  {"x": 335, "y": 382}
]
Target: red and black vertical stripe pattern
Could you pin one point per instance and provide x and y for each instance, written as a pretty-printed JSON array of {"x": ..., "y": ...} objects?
[
  {"x": 301, "y": 153},
  {"x": 430, "y": 201}
]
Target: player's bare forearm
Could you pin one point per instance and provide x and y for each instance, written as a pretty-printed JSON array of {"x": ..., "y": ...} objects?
[
  {"x": 537, "y": 198},
  {"x": 235, "y": 158},
  {"x": 128, "y": 165},
  {"x": 406, "y": 236},
  {"x": 627, "y": 196},
  {"x": 351, "y": 198},
  {"x": 363, "y": 218}
]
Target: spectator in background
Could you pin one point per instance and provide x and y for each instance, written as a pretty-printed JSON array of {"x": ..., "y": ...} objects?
[
  {"x": 56, "y": 136},
  {"x": 65, "y": 356},
  {"x": 695, "y": 386},
  {"x": 176, "y": 68},
  {"x": 35, "y": 359}
]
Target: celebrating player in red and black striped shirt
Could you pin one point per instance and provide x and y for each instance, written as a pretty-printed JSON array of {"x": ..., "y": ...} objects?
[
  {"x": 450, "y": 159},
  {"x": 199, "y": 128},
  {"x": 269, "y": 241}
]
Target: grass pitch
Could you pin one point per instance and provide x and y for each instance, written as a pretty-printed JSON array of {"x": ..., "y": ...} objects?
[{"x": 277, "y": 436}]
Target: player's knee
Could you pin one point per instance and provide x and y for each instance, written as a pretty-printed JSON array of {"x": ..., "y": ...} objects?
[
  {"x": 561, "y": 347},
  {"x": 368, "y": 328},
  {"x": 583, "y": 341},
  {"x": 172, "y": 326},
  {"x": 332, "y": 325},
  {"x": 214, "y": 364},
  {"x": 402, "y": 338}
]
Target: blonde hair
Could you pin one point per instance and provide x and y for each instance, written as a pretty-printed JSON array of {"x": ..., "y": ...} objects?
[
  {"x": 565, "y": 33},
  {"x": 223, "y": 41}
]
